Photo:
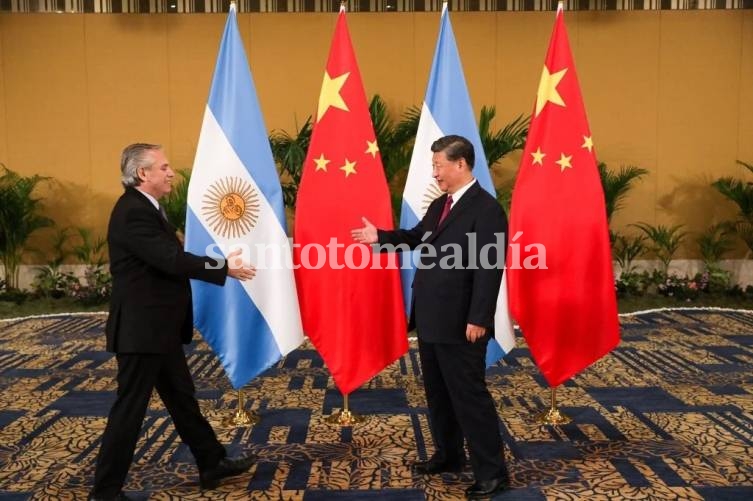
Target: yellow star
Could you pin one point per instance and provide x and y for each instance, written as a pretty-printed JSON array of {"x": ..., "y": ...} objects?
[
  {"x": 372, "y": 148},
  {"x": 548, "y": 89},
  {"x": 538, "y": 157},
  {"x": 321, "y": 163},
  {"x": 330, "y": 94},
  {"x": 587, "y": 143},
  {"x": 349, "y": 168},
  {"x": 564, "y": 162}
]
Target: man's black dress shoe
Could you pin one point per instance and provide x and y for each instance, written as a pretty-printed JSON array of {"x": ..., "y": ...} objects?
[
  {"x": 227, "y": 467},
  {"x": 119, "y": 497},
  {"x": 432, "y": 467},
  {"x": 487, "y": 488}
]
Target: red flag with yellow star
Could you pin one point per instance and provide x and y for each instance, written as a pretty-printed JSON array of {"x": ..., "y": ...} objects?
[
  {"x": 350, "y": 297},
  {"x": 560, "y": 279}
]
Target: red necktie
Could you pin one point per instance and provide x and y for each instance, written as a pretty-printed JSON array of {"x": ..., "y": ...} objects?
[{"x": 445, "y": 209}]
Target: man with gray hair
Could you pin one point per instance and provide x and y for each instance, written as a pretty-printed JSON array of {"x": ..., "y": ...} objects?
[{"x": 150, "y": 318}]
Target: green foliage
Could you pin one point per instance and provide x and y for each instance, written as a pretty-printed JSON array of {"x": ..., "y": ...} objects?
[
  {"x": 96, "y": 286},
  {"x": 617, "y": 184},
  {"x": 90, "y": 251},
  {"x": 176, "y": 202},
  {"x": 19, "y": 218},
  {"x": 510, "y": 138},
  {"x": 665, "y": 241},
  {"x": 741, "y": 193},
  {"x": 714, "y": 243},
  {"x": 395, "y": 140},
  {"x": 50, "y": 280},
  {"x": 289, "y": 152},
  {"x": 500, "y": 143},
  {"x": 626, "y": 249},
  {"x": 632, "y": 284}
]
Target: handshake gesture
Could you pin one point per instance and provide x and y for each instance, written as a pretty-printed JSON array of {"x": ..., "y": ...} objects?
[
  {"x": 237, "y": 269},
  {"x": 365, "y": 235}
]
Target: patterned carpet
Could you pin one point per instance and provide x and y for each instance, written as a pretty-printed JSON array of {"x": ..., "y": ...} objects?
[{"x": 668, "y": 415}]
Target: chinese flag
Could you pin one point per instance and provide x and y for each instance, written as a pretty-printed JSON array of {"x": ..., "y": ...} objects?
[
  {"x": 351, "y": 300},
  {"x": 568, "y": 311}
]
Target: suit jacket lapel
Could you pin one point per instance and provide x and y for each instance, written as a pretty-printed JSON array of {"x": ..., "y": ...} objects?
[
  {"x": 457, "y": 209},
  {"x": 167, "y": 225}
]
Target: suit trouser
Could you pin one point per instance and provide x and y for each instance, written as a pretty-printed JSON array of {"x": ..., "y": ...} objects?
[
  {"x": 138, "y": 375},
  {"x": 460, "y": 406}
]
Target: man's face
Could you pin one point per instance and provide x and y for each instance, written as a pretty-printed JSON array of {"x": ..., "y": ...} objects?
[
  {"x": 447, "y": 173},
  {"x": 157, "y": 180}
]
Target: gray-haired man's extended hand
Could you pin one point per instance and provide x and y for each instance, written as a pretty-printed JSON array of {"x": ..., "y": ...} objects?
[{"x": 237, "y": 269}]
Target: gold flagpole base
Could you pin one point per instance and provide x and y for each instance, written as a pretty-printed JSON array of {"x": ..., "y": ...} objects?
[
  {"x": 241, "y": 417},
  {"x": 553, "y": 417},
  {"x": 345, "y": 418}
]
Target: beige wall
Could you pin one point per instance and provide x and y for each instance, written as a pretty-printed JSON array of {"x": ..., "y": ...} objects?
[{"x": 670, "y": 91}]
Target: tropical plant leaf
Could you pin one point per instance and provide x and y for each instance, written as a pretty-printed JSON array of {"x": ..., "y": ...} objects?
[
  {"x": 176, "y": 202},
  {"x": 289, "y": 152},
  {"x": 19, "y": 218},
  {"x": 617, "y": 184}
]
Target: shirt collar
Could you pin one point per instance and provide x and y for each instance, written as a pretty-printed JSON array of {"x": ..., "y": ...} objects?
[
  {"x": 154, "y": 201},
  {"x": 460, "y": 192}
]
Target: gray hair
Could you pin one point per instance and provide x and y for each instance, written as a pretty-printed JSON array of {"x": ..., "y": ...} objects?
[{"x": 134, "y": 156}]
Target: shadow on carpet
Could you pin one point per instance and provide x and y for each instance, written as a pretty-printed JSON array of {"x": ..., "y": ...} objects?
[{"x": 667, "y": 415}]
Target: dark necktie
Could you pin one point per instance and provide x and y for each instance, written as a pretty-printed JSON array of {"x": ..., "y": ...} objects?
[
  {"x": 162, "y": 212},
  {"x": 446, "y": 209}
]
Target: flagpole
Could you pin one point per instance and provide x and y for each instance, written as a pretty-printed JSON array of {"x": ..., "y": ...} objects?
[
  {"x": 241, "y": 417},
  {"x": 344, "y": 417},
  {"x": 553, "y": 416}
]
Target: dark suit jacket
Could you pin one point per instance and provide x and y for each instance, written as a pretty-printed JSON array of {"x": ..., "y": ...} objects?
[
  {"x": 150, "y": 308},
  {"x": 446, "y": 300}
]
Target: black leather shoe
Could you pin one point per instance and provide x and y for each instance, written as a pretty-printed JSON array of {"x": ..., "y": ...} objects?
[
  {"x": 432, "y": 467},
  {"x": 119, "y": 497},
  {"x": 227, "y": 467},
  {"x": 487, "y": 488}
]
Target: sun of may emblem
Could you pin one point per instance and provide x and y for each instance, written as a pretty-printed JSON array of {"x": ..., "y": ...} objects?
[
  {"x": 431, "y": 193},
  {"x": 231, "y": 207}
]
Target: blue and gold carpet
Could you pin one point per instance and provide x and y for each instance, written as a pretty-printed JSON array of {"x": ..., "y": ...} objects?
[{"x": 667, "y": 415}]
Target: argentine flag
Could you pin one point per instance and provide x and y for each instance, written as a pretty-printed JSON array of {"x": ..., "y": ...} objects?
[
  {"x": 235, "y": 200},
  {"x": 447, "y": 110}
]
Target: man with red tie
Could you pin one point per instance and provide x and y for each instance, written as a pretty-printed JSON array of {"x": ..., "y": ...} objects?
[{"x": 454, "y": 298}]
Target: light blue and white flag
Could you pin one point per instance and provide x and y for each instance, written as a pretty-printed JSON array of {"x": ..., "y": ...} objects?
[
  {"x": 235, "y": 200},
  {"x": 447, "y": 110}
]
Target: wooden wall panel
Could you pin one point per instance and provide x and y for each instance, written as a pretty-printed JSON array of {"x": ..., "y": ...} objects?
[
  {"x": 192, "y": 46},
  {"x": 698, "y": 114},
  {"x": 668, "y": 91},
  {"x": 745, "y": 130},
  {"x": 619, "y": 78},
  {"x": 288, "y": 54},
  {"x": 3, "y": 122},
  {"x": 522, "y": 40},
  {"x": 129, "y": 101},
  {"x": 45, "y": 94}
]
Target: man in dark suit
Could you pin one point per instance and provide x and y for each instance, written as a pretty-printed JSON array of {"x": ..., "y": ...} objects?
[
  {"x": 150, "y": 319},
  {"x": 453, "y": 313}
]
